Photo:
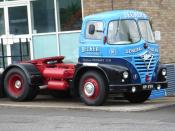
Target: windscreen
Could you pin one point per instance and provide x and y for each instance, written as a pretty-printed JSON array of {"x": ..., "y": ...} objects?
[
  {"x": 146, "y": 31},
  {"x": 123, "y": 32}
]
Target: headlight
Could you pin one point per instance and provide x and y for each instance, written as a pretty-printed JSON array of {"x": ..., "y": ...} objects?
[
  {"x": 164, "y": 72},
  {"x": 125, "y": 75}
]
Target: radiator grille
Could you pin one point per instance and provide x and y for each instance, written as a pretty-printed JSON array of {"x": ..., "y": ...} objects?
[{"x": 141, "y": 67}]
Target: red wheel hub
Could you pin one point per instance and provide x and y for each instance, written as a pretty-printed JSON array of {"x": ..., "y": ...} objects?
[
  {"x": 15, "y": 84},
  {"x": 91, "y": 88}
]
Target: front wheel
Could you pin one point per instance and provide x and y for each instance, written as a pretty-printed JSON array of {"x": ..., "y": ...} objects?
[
  {"x": 138, "y": 97},
  {"x": 92, "y": 88}
]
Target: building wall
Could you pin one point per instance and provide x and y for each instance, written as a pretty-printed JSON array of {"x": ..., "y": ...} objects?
[{"x": 162, "y": 13}]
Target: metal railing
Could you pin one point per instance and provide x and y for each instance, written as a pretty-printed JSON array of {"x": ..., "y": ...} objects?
[{"x": 21, "y": 55}]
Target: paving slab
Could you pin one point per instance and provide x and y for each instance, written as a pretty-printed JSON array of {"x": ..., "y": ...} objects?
[{"x": 110, "y": 105}]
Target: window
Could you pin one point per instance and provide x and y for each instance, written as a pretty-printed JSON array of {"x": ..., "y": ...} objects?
[
  {"x": 146, "y": 30},
  {"x": 18, "y": 21},
  {"x": 94, "y": 30},
  {"x": 123, "y": 32},
  {"x": 43, "y": 16},
  {"x": 16, "y": 54},
  {"x": 2, "y": 24},
  {"x": 69, "y": 15},
  {"x": 3, "y": 53}
]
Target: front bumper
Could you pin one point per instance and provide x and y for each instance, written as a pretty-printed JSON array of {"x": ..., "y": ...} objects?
[{"x": 139, "y": 87}]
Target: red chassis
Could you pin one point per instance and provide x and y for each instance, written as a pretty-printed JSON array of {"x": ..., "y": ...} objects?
[
  {"x": 55, "y": 73},
  {"x": 21, "y": 81}
]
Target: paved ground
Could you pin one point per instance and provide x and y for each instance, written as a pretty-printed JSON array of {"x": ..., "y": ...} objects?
[
  {"x": 55, "y": 119},
  {"x": 111, "y": 105},
  {"x": 48, "y": 114}
]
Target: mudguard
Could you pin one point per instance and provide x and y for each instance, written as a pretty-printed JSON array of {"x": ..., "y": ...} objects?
[
  {"x": 112, "y": 73},
  {"x": 33, "y": 75}
]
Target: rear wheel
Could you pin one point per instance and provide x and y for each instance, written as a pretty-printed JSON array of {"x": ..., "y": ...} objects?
[
  {"x": 138, "y": 97},
  {"x": 92, "y": 88},
  {"x": 17, "y": 87},
  {"x": 2, "y": 93}
]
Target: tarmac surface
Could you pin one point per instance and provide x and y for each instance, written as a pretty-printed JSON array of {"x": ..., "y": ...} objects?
[
  {"x": 49, "y": 119},
  {"x": 109, "y": 106},
  {"x": 48, "y": 114}
]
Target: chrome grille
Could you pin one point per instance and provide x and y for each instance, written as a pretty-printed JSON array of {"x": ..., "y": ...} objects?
[{"x": 141, "y": 66}]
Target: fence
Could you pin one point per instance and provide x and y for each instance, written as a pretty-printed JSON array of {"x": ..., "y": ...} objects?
[{"x": 19, "y": 51}]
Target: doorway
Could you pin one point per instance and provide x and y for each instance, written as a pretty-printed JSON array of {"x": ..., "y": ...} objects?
[{"x": 15, "y": 42}]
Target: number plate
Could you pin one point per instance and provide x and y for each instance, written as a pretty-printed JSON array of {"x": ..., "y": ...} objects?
[{"x": 148, "y": 87}]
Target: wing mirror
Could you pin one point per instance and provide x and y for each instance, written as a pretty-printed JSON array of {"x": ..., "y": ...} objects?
[{"x": 91, "y": 29}]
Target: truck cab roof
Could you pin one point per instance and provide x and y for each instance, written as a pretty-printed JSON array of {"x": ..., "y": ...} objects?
[{"x": 117, "y": 14}]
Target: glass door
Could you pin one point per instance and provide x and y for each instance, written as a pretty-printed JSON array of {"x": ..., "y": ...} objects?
[{"x": 17, "y": 31}]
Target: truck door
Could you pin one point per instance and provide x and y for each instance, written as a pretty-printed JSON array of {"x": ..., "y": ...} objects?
[{"x": 92, "y": 39}]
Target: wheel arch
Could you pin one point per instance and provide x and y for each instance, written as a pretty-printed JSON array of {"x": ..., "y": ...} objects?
[
  {"x": 83, "y": 69},
  {"x": 29, "y": 70}
]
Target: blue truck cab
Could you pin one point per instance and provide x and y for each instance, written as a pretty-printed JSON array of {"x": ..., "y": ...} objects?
[{"x": 118, "y": 54}]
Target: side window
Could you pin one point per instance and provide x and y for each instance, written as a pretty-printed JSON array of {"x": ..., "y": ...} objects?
[{"x": 94, "y": 30}]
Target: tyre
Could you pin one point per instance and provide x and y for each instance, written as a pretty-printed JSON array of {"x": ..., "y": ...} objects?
[
  {"x": 33, "y": 93},
  {"x": 138, "y": 97},
  {"x": 17, "y": 87},
  {"x": 2, "y": 93},
  {"x": 93, "y": 88}
]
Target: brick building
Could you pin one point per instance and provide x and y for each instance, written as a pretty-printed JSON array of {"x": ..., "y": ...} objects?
[{"x": 162, "y": 13}]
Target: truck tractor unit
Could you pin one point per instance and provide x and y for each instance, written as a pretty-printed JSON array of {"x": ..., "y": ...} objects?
[{"x": 117, "y": 55}]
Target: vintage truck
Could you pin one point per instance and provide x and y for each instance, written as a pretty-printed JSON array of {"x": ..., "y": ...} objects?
[{"x": 117, "y": 55}]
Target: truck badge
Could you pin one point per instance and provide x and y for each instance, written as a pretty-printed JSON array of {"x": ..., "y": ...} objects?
[{"x": 146, "y": 57}]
